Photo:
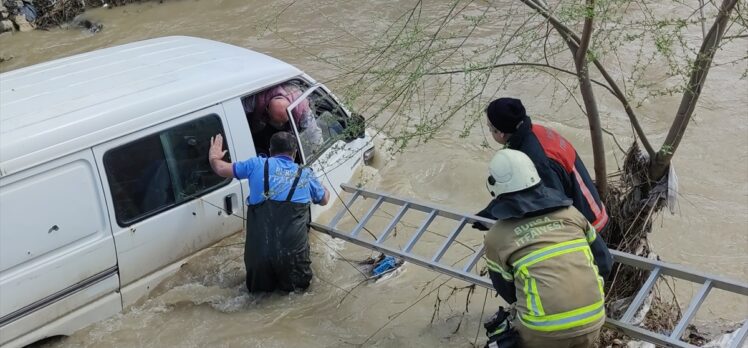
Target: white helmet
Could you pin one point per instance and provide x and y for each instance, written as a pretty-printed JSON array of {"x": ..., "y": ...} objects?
[{"x": 511, "y": 171}]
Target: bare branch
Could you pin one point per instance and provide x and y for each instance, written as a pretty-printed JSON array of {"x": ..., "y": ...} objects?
[
  {"x": 502, "y": 65},
  {"x": 699, "y": 72},
  {"x": 574, "y": 40}
]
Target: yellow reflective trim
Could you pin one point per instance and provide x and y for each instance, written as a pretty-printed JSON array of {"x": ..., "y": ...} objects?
[
  {"x": 497, "y": 268},
  {"x": 600, "y": 279},
  {"x": 556, "y": 249},
  {"x": 570, "y": 313},
  {"x": 527, "y": 292},
  {"x": 566, "y": 320},
  {"x": 552, "y": 254},
  {"x": 534, "y": 288},
  {"x": 532, "y": 297}
]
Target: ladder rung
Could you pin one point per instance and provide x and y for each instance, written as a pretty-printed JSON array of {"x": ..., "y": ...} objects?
[
  {"x": 449, "y": 240},
  {"x": 393, "y": 223},
  {"x": 641, "y": 295},
  {"x": 737, "y": 342},
  {"x": 474, "y": 259},
  {"x": 691, "y": 311},
  {"x": 420, "y": 231},
  {"x": 343, "y": 210},
  {"x": 365, "y": 219}
]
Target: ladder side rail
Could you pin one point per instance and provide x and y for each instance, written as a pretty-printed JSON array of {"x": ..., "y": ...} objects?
[
  {"x": 415, "y": 259},
  {"x": 645, "y": 335},
  {"x": 426, "y": 208},
  {"x": 681, "y": 272}
]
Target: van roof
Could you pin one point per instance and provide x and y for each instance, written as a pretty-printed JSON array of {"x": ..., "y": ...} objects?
[{"x": 56, "y": 108}]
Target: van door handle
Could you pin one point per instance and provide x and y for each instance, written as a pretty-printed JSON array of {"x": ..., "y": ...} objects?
[{"x": 228, "y": 206}]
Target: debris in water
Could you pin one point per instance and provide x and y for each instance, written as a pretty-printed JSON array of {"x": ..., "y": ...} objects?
[{"x": 381, "y": 265}]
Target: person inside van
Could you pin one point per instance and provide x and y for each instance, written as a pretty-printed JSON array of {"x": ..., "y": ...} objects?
[
  {"x": 268, "y": 115},
  {"x": 276, "y": 249}
]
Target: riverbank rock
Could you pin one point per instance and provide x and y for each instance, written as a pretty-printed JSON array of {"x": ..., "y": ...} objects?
[
  {"x": 6, "y": 25},
  {"x": 17, "y": 15},
  {"x": 23, "y": 24}
]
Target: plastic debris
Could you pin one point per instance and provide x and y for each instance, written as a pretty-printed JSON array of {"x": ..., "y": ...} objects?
[{"x": 388, "y": 263}]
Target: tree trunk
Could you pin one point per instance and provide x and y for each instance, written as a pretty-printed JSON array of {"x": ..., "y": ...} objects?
[{"x": 588, "y": 95}]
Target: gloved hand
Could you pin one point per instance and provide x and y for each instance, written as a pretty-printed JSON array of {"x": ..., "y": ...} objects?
[{"x": 500, "y": 332}]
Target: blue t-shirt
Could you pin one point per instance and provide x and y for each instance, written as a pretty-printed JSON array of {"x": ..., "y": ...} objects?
[{"x": 281, "y": 173}]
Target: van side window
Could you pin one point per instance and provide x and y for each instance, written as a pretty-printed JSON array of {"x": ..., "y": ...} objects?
[
  {"x": 162, "y": 170},
  {"x": 186, "y": 148}
]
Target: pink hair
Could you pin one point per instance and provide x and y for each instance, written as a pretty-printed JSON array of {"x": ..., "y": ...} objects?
[{"x": 290, "y": 92}]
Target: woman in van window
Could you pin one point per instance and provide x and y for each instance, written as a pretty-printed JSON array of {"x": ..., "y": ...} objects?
[{"x": 268, "y": 116}]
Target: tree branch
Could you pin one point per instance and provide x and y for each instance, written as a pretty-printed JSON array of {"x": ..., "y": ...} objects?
[
  {"x": 703, "y": 62},
  {"x": 588, "y": 95},
  {"x": 503, "y": 65},
  {"x": 573, "y": 38},
  {"x": 584, "y": 44}
]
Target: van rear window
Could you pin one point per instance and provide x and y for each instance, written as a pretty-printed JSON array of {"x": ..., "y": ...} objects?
[{"x": 162, "y": 170}]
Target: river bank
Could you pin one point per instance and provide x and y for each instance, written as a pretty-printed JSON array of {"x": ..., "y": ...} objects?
[{"x": 28, "y": 15}]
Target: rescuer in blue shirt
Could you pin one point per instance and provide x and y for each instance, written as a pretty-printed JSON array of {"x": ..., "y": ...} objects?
[{"x": 276, "y": 249}]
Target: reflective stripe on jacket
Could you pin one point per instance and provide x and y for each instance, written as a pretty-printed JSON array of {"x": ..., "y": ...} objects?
[{"x": 549, "y": 260}]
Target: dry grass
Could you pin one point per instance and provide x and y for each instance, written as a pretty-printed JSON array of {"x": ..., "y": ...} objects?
[{"x": 55, "y": 13}]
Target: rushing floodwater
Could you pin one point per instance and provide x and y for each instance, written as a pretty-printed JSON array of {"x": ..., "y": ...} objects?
[{"x": 206, "y": 304}]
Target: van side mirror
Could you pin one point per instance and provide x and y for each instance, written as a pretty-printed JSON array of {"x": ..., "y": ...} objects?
[{"x": 355, "y": 127}]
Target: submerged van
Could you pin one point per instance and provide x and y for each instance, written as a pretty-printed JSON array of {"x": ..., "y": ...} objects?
[{"x": 105, "y": 186}]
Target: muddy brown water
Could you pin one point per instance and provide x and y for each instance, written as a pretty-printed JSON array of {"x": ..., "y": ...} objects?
[{"x": 205, "y": 304}]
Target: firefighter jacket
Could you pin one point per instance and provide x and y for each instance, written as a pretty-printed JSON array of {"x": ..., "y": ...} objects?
[
  {"x": 546, "y": 258},
  {"x": 560, "y": 168}
]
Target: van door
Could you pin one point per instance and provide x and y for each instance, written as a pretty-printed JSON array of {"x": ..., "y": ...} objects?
[
  {"x": 165, "y": 201},
  {"x": 332, "y": 142}
]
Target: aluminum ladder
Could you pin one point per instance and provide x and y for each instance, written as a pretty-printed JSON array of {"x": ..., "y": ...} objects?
[{"x": 469, "y": 273}]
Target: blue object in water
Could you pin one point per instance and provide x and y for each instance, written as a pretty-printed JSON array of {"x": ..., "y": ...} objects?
[{"x": 385, "y": 265}]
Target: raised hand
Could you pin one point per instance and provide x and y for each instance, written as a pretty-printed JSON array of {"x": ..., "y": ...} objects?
[{"x": 216, "y": 148}]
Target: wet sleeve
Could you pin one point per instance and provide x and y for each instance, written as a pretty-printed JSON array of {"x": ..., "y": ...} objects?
[
  {"x": 485, "y": 213},
  {"x": 555, "y": 177},
  {"x": 243, "y": 169},
  {"x": 600, "y": 252},
  {"x": 316, "y": 190},
  {"x": 499, "y": 272},
  {"x": 504, "y": 288},
  {"x": 603, "y": 259}
]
